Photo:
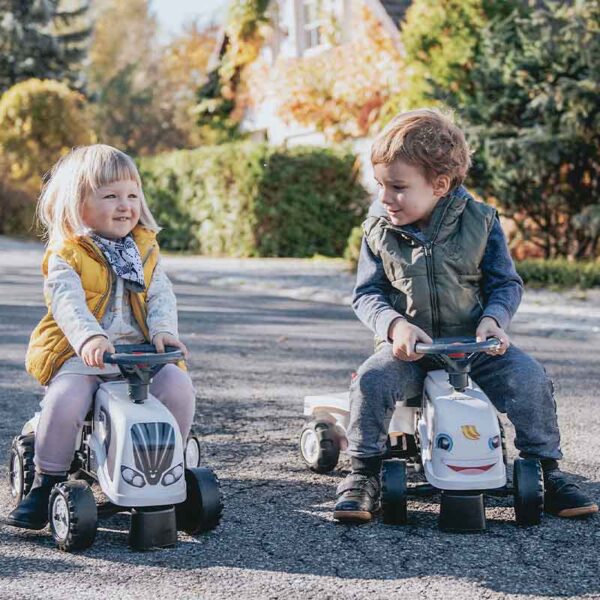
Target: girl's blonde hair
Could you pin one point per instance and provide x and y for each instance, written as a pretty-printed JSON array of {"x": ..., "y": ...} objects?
[{"x": 73, "y": 178}]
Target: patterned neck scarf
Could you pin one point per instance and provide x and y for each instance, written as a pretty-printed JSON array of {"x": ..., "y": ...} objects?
[{"x": 124, "y": 258}]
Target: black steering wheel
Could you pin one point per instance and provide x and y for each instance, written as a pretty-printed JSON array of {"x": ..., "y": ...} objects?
[
  {"x": 458, "y": 345},
  {"x": 142, "y": 354},
  {"x": 139, "y": 363}
]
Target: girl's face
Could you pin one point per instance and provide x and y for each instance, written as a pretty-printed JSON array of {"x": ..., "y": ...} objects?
[{"x": 113, "y": 210}]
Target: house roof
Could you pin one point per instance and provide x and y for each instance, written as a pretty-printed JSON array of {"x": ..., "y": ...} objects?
[{"x": 396, "y": 9}]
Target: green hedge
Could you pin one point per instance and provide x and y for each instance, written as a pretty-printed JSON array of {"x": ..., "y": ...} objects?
[
  {"x": 560, "y": 273},
  {"x": 248, "y": 199}
]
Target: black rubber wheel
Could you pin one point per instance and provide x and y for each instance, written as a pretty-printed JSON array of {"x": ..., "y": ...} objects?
[
  {"x": 528, "y": 483},
  {"x": 320, "y": 444},
  {"x": 503, "y": 442},
  {"x": 192, "y": 452},
  {"x": 73, "y": 515},
  {"x": 394, "y": 492},
  {"x": 21, "y": 469},
  {"x": 203, "y": 506}
]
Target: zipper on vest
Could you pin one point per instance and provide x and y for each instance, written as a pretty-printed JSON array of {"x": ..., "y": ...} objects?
[
  {"x": 435, "y": 317},
  {"x": 433, "y": 296}
]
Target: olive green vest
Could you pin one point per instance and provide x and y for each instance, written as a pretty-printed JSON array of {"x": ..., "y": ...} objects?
[{"x": 436, "y": 285}]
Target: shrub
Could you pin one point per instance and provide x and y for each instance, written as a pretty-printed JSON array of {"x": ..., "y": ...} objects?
[
  {"x": 245, "y": 199},
  {"x": 39, "y": 122},
  {"x": 352, "y": 251},
  {"x": 559, "y": 273}
]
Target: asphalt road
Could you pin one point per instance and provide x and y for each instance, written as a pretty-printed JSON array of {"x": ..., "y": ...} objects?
[{"x": 254, "y": 358}]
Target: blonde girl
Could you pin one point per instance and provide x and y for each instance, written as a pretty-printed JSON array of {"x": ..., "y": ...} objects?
[{"x": 103, "y": 285}]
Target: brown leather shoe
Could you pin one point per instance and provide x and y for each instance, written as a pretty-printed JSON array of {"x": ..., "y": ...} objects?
[
  {"x": 564, "y": 498},
  {"x": 359, "y": 498}
]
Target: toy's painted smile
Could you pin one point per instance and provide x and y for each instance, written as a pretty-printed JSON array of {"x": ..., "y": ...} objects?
[{"x": 467, "y": 468}]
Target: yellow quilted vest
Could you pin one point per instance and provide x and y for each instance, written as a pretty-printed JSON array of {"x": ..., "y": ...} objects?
[{"x": 48, "y": 346}]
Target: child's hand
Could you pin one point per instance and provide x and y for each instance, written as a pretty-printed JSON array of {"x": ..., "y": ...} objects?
[
  {"x": 488, "y": 328},
  {"x": 404, "y": 337},
  {"x": 92, "y": 352},
  {"x": 160, "y": 340}
]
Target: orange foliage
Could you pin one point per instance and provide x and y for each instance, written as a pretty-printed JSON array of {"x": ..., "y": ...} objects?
[{"x": 341, "y": 90}]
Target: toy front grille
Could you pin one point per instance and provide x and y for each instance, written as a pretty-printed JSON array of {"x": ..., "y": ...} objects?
[{"x": 153, "y": 449}]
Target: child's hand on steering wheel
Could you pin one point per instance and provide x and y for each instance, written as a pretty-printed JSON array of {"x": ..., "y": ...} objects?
[
  {"x": 92, "y": 351},
  {"x": 488, "y": 328},
  {"x": 404, "y": 336},
  {"x": 162, "y": 339}
]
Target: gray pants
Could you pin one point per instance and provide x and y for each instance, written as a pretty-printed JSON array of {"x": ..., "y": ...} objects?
[
  {"x": 69, "y": 398},
  {"x": 515, "y": 383}
]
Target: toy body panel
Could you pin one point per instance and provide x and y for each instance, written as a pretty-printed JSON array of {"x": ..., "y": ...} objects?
[
  {"x": 335, "y": 408},
  {"x": 137, "y": 449},
  {"x": 460, "y": 437}
]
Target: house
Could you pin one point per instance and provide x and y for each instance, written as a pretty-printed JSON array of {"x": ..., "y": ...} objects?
[{"x": 298, "y": 31}]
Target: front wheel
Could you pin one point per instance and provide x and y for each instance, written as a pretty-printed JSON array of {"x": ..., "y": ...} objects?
[
  {"x": 528, "y": 483},
  {"x": 73, "y": 515},
  {"x": 394, "y": 492},
  {"x": 320, "y": 444},
  {"x": 203, "y": 506}
]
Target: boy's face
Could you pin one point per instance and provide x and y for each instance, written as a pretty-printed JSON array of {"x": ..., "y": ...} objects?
[{"x": 406, "y": 195}]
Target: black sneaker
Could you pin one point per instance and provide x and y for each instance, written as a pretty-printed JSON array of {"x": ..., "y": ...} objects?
[
  {"x": 564, "y": 498},
  {"x": 359, "y": 498},
  {"x": 32, "y": 511}
]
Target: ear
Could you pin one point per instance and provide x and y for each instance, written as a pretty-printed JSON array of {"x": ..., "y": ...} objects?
[{"x": 441, "y": 185}]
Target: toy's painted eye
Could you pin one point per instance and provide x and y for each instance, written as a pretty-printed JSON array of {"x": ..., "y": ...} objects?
[
  {"x": 443, "y": 441},
  {"x": 494, "y": 442}
]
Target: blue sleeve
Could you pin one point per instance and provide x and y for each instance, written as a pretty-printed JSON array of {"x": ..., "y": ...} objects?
[
  {"x": 501, "y": 286},
  {"x": 370, "y": 298}
]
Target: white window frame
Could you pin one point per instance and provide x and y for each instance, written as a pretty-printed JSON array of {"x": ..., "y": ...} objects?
[{"x": 304, "y": 28}]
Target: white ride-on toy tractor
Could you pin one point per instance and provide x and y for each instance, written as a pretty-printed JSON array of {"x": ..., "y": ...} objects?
[
  {"x": 451, "y": 433},
  {"x": 131, "y": 446}
]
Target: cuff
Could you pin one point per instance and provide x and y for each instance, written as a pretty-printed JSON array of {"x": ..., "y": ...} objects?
[
  {"x": 499, "y": 314},
  {"x": 156, "y": 330},
  {"x": 82, "y": 338},
  {"x": 384, "y": 320}
]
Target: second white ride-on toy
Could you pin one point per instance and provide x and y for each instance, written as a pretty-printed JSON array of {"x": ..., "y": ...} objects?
[
  {"x": 451, "y": 433},
  {"x": 131, "y": 446}
]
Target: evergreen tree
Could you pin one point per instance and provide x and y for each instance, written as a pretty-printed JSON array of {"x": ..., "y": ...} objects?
[
  {"x": 42, "y": 39},
  {"x": 533, "y": 113}
]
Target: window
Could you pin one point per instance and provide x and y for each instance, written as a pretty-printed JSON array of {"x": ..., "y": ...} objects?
[{"x": 312, "y": 22}]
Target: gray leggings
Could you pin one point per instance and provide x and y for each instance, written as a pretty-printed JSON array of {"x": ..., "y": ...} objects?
[
  {"x": 69, "y": 398},
  {"x": 515, "y": 383}
]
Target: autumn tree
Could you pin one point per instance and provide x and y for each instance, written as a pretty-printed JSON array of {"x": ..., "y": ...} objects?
[
  {"x": 144, "y": 90},
  {"x": 442, "y": 39},
  {"x": 341, "y": 91}
]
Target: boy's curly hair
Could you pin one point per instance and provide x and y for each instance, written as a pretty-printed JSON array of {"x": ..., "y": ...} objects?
[{"x": 427, "y": 139}]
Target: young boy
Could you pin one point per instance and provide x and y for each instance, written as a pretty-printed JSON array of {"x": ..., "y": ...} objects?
[{"x": 436, "y": 264}]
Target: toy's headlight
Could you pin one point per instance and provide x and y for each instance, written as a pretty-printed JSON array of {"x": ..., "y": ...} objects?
[
  {"x": 494, "y": 442},
  {"x": 173, "y": 475},
  {"x": 443, "y": 441},
  {"x": 132, "y": 477}
]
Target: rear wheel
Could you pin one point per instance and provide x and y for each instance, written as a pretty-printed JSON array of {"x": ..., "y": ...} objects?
[
  {"x": 528, "y": 483},
  {"x": 320, "y": 444},
  {"x": 394, "y": 492},
  {"x": 203, "y": 506},
  {"x": 73, "y": 515},
  {"x": 21, "y": 469}
]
